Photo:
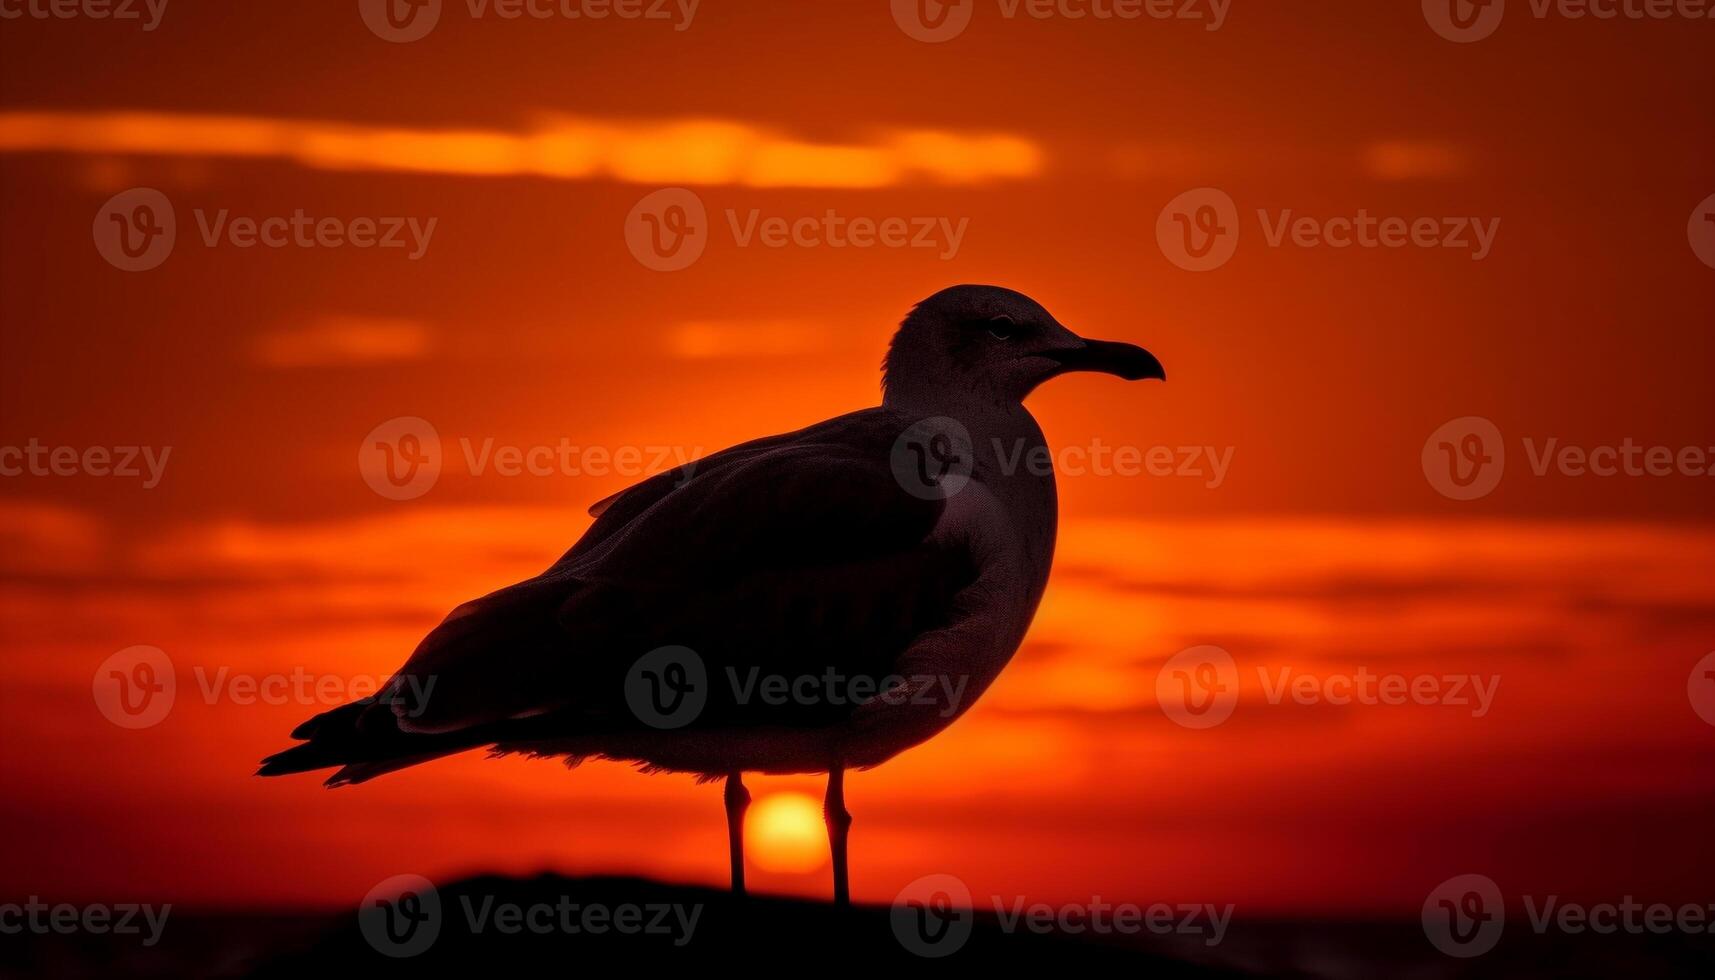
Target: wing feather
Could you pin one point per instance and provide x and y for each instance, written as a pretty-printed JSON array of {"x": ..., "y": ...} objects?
[{"x": 799, "y": 555}]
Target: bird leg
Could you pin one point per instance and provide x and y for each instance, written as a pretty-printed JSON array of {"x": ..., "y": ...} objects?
[
  {"x": 737, "y": 801},
  {"x": 839, "y": 823}
]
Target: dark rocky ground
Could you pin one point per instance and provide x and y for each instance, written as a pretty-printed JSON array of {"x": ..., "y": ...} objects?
[{"x": 677, "y": 926}]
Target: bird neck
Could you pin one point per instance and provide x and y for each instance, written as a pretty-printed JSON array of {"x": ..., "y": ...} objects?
[
  {"x": 934, "y": 398},
  {"x": 1012, "y": 458},
  {"x": 1014, "y": 462}
]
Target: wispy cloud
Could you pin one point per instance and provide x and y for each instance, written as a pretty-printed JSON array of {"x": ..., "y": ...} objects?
[
  {"x": 48, "y": 538},
  {"x": 682, "y": 151},
  {"x": 703, "y": 340},
  {"x": 342, "y": 339},
  {"x": 1415, "y": 160}
]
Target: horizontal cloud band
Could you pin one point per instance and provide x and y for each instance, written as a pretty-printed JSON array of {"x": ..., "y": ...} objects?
[{"x": 702, "y": 152}]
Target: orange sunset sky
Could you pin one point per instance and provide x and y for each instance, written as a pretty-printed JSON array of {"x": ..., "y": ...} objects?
[{"x": 1315, "y": 373}]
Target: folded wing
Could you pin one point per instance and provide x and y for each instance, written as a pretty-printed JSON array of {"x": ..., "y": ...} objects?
[{"x": 794, "y": 557}]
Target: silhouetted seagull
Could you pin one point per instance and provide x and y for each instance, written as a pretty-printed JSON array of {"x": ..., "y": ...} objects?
[{"x": 880, "y": 568}]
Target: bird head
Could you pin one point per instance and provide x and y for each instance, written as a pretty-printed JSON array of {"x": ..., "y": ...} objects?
[{"x": 998, "y": 345}]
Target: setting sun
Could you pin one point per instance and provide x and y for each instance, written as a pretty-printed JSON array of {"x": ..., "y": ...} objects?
[{"x": 785, "y": 833}]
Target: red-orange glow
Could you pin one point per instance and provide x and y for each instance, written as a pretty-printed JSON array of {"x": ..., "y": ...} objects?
[{"x": 1055, "y": 144}]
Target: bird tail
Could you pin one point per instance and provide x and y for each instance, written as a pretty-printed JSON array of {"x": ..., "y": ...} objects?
[{"x": 363, "y": 739}]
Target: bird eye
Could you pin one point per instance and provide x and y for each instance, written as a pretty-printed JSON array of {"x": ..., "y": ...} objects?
[{"x": 1002, "y": 327}]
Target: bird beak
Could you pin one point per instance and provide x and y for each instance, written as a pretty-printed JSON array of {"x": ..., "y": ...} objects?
[{"x": 1128, "y": 361}]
